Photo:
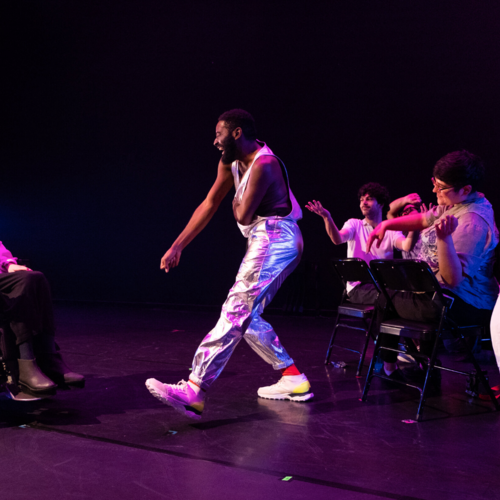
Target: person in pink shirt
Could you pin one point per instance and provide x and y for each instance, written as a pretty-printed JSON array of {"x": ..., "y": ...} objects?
[{"x": 29, "y": 352}]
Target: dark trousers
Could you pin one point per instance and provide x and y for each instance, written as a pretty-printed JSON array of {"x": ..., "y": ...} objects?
[
  {"x": 421, "y": 307},
  {"x": 364, "y": 293},
  {"x": 25, "y": 308}
]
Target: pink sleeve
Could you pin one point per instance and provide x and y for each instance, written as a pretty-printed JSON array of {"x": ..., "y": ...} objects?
[{"x": 5, "y": 258}]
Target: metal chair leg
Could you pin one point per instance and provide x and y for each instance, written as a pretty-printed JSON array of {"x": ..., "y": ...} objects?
[
  {"x": 332, "y": 340},
  {"x": 369, "y": 376},
  {"x": 430, "y": 369},
  {"x": 365, "y": 347}
]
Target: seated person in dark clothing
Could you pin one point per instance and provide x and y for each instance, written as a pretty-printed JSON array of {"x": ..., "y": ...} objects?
[
  {"x": 373, "y": 197},
  {"x": 457, "y": 239},
  {"x": 27, "y": 343}
]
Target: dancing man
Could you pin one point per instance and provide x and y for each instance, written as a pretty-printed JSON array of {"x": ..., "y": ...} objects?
[{"x": 266, "y": 212}]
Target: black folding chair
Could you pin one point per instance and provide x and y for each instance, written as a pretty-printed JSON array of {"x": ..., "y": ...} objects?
[
  {"x": 353, "y": 269},
  {"x": 416, "y": 276}
]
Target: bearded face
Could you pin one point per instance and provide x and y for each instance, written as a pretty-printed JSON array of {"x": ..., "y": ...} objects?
[{"x": 229, "y": 149}]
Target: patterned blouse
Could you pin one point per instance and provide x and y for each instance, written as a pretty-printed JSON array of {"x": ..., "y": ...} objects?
[{"x": 475, "y": 240}]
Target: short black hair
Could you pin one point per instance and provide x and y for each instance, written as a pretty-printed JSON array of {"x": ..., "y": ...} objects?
[
  {"x": 459, "y": 169},
  {"x": 377, "y": 191},
  {"x": 240, "y": 118}
]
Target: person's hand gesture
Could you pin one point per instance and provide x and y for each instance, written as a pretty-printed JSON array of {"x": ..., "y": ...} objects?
[
  {"x": 446, "y": 226},
  {"x": 170, "y": 259},
  {"x": 377, "y": 235},
  {"x": 423, "y": 208},
  {"x": 317, "y": 208},
  {"x": 412, "y": 199}
]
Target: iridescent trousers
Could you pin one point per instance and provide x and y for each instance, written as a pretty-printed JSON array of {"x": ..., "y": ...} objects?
[{"x": 273, "y": 252}]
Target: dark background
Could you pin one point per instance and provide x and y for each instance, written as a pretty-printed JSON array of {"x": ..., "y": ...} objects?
[{"x": 109, "y": 111}]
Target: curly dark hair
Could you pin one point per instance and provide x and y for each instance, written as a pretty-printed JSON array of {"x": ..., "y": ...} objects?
[
  {"x": 379, "y": 192},
  {"x": 240, "y": 118},
  {"x": 459, "y": 169}
]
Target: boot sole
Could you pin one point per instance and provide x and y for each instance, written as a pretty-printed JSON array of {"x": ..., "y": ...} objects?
[
  {"x": 176, "y": 405},
  {"x": 61, "y": 384},
  {"x": 297, "y": 398},
  {"x": 38, "y": 393}
]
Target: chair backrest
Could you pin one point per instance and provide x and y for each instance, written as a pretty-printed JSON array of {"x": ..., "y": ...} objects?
[
  {"x": 353, "y": 269},
  {"x": 405, "y": 275}
]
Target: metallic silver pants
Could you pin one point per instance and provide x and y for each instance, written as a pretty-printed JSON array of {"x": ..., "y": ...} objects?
[{"x": 273, "y": 252}]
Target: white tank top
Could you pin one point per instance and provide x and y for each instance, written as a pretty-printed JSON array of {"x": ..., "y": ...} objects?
[{"x": 241, "y": 184}]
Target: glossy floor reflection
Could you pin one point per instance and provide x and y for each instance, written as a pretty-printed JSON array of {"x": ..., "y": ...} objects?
[{"x": 114, "y": 440}]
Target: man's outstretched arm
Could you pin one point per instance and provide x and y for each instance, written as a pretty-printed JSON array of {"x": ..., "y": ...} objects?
[
  {"x": 415, "y": 222},
  {"x": 200, "y": 217},
  {"x": 331, "y": 229}
]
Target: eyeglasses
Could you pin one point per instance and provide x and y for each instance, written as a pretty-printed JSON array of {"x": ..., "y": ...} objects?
[
  {"x": 439, "y": 189},
  {"x": 409, "y": 209}
]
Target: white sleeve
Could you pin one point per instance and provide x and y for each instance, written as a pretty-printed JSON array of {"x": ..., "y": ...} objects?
[{"x": 350, "y": 226}]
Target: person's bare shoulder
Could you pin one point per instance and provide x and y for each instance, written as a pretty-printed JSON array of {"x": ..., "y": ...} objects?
[{"x": 267, "y": 165}]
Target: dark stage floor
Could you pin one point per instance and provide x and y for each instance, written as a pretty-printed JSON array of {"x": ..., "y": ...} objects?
[{"x": 114, "y": 440}]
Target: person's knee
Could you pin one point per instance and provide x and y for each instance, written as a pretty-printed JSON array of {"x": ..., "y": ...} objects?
[
  {"x": 31, "y": 280},
  {"x": 34, "y": 277}
]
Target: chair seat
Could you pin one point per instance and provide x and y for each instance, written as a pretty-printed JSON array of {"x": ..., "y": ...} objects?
[
  {"x": 409, "y": 328},
  {"x": 356, "y": 310}
]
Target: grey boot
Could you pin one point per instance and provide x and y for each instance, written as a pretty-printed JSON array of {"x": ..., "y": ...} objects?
[
  {"x": 10, "y": 389},
  {"x": 54, "y": 366},
  {"x": 32, "y": 378}
]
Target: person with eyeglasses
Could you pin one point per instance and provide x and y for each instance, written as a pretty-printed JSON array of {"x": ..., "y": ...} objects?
[{"x": 458, "y": 240}]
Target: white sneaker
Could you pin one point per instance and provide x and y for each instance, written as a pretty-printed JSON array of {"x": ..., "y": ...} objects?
[
  {"x": 406, "y": 358},
  {"x": 181, "y": 397},
  {"x": 292, "y": 387}
]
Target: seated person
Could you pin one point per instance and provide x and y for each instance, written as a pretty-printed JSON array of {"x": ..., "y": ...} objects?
[
  {"x": 27, "y": 343},
  {"x": 458, "y": 238},
  {"x": 373, "y": 197},
  {"x": 409, "y": 204}
]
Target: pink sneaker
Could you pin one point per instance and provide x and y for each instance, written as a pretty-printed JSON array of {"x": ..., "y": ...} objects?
[{"x": 181, "y": 397}]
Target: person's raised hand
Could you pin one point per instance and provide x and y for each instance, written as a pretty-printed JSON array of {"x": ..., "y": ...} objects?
[
  {"x": 413, "y": 199},
  {"x": 317, "y": 208},
  {"x": 446, "y": 226}
]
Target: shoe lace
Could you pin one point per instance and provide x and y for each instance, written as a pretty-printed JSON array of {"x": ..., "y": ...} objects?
[{"x": 280, "y": 383}]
